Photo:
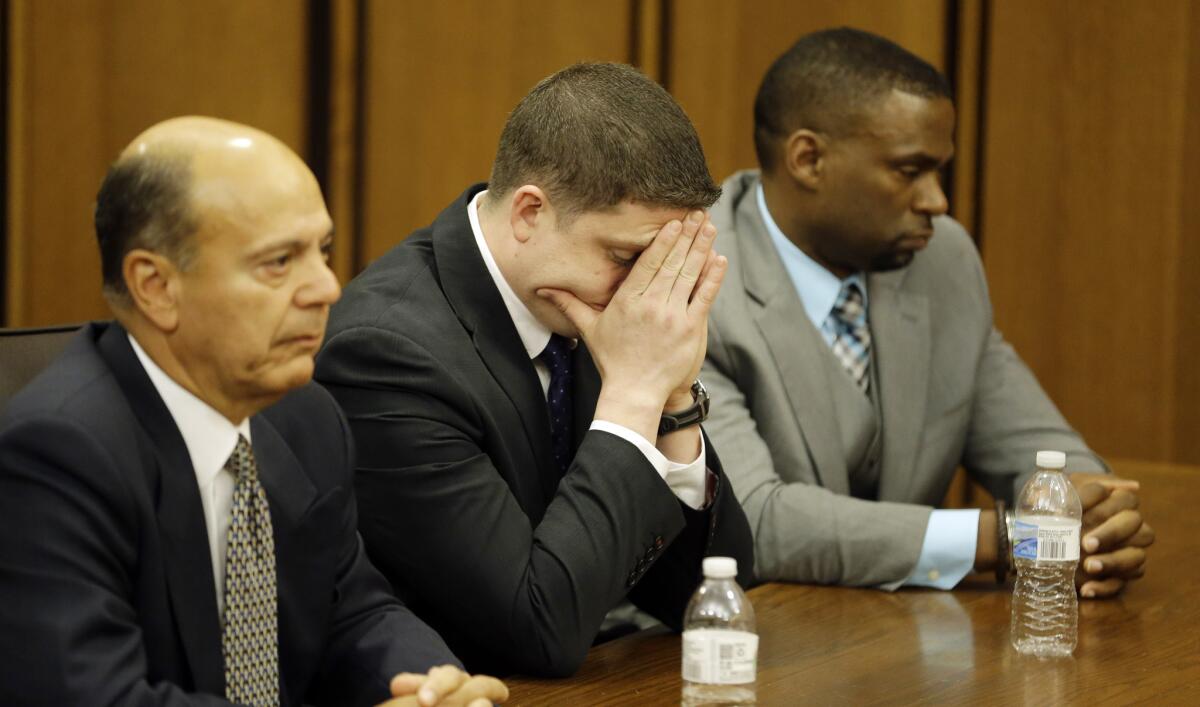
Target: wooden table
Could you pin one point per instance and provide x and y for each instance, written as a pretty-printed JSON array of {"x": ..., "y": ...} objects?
[{"x": 833, "y": 645}]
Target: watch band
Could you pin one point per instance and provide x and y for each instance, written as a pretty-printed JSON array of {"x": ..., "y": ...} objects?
[{"x": 694, "y": 415}]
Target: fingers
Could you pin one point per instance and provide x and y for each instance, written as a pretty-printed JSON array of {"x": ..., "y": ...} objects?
[
  {"x": 1144, "y": 537},
  {"x": 1116, "y": 482},
  {"x": 1127, "y": 562},
  {"x": 1118, "y": 500},
  {"x": 406, "y": 683},
  {"x": 442, "y": 680},
  {"x": 448, "y": 686},
  {"x": 673, "y": 264},
  {"x": 707, "y": 289},
  {"x": 481, "y": 690},
  {"x": 651, "y": 260},
  {"x": 708, "y": 263},
  {"x": 695, "y": 263},
  {"x": 578, "y": 312},
  {"x": 1099, "y": 589},
  {"x": 1113, "y": 532},
  {"x": 1091, "y": 494}
]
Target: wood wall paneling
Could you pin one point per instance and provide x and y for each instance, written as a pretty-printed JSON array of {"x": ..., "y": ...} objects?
[
  {"x": 968, "y": 67},
  {"x": 439, "y": 82},
  {"x": 343, "y": 123},
  {"x": 1083, "y": 202},
  {"x": 719, "y": 51},
  {"x": 86, "y": 76},
  {"x": 1186, "y": 315}
]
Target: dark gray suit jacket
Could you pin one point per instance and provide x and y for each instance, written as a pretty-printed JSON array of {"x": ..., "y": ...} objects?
[
  {"x": 518, "y": 563},
  {"x": 952, "y": 392},
  {"x": 106, "y": 582}
]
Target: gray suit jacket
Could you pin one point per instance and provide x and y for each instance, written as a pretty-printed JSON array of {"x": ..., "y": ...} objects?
[{"x": 952, "y": 392}]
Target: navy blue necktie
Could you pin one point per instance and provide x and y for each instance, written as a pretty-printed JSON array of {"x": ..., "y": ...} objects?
[{"x": 557, "y": 357}]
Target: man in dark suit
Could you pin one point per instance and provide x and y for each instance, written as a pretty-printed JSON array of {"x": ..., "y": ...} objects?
[
  {"x": 177, "y": 524},
  {"x": 519, "y": 377}
]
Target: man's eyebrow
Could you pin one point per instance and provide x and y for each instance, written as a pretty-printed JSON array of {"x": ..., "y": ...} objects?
[
  {"x": 923, "y": 159},
  {"x": 289, "y": 244},
  {"x": 293, "y": 245}
]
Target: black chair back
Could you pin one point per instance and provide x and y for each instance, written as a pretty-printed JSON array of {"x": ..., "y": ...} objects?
[{"x": 25, "y": 352}]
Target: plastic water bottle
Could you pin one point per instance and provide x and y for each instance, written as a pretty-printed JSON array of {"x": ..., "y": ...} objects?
[
  {"x": 720, "y": 646},
  {"x": 1045, "y": 613}
]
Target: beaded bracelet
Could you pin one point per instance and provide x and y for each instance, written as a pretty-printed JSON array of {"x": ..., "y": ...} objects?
[{"x": 1003, "y": 544}]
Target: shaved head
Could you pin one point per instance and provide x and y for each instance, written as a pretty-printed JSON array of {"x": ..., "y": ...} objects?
[{"x": 830, "y": 82}]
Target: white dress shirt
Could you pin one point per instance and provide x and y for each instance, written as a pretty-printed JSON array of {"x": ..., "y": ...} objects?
[
  {"x": 210, "y": 440},
  {"x": 687, "y": 481}
]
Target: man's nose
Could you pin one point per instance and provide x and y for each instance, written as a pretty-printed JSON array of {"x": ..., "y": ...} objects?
[
  {"x": 931, "y": 199},
  {"x": 321, "y": 287}
]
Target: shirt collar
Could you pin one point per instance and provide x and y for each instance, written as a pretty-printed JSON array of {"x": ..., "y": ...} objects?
[
  {"x": 534, "y": 335},
  {"x": 210, "y": 437},
  {"x": 818, "y": 288}
]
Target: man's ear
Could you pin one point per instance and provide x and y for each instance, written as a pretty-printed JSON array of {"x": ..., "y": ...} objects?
[
  {"x": 804, "y": 154},
  {"x": 528, "y": 208},
  {"x": 154, "y": 286}
]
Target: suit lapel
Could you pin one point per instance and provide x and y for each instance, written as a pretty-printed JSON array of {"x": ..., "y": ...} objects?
[
  {"x": 585, "y": 391},
  {"x": 899, "y": 323},
  {"x": 180, "y": 517},
  {"x": 289, "y": 490},
  {"x": 795, "y": 345},
  {"x": 477, "y": 303}
]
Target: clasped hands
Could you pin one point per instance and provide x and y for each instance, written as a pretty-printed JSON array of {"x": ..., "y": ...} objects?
[
  {"x": 1114, "y": 536},
  {"x": 445, "y": 686}
]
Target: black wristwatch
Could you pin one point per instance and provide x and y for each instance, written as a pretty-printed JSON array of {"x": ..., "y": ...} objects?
[{"x": 694, "y": 415}]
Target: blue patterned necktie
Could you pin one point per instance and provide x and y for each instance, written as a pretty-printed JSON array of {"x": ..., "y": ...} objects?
[
  {"x": 249, "y": 638},
  {"x": 852, "y": 340},
  {"x": 557, "y": 357}
]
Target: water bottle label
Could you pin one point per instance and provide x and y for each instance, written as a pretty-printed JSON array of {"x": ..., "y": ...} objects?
[
  {"x": 718, "y": 656},
  {"x": 1048, "y": 539}
]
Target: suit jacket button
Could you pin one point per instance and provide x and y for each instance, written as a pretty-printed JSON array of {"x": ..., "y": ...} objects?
[{"x": 658, "y": 543}]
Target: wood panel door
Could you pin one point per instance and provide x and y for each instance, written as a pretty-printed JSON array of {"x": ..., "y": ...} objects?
[
  {"x": 1090, "y": 216},
  {"x": 439, "y": 81},
  {"x": 85, "y": 77},
  {"x": 719, "y": 50}
]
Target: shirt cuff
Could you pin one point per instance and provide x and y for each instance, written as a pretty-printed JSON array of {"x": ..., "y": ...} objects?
[
  {"x": 948, "y": 552},
  {"x": 687, "y": 481}
]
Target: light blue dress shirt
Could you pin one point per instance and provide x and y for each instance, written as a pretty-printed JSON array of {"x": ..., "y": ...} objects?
[{"x": 948, "y": 550}]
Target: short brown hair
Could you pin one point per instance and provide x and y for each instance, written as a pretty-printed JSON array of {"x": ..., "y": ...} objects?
[
  {"x": 144, "y": 202},
  {"x": 595, "y": 135}
]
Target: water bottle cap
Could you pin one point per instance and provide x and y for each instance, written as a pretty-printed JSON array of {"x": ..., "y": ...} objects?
[
  {"x": 720, "y": 567},
  {"x": 1051, "y": 460}
]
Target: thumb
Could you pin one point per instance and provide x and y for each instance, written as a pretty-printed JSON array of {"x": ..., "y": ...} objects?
[{"x": 574, "y": 309}]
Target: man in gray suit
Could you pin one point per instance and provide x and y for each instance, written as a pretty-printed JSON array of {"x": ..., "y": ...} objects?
[{"x": 852, "y": 356}]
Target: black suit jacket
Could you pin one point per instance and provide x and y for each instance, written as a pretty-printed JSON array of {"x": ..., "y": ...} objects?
[
  {"x": 461, "y": 504},
  {"x": 106, "y": 582}
]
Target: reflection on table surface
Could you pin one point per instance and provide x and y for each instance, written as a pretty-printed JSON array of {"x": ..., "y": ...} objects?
[{"x": 837, "y": 645}]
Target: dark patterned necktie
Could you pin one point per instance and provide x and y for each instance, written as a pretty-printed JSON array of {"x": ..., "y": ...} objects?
[
  {"x": 557, "y": 357},
  {"x": 250, "y": 637},
  {"x": 852, "y": 343}
]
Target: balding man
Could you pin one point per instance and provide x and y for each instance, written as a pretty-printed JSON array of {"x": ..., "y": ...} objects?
[{"x": 177, "y": 523}]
